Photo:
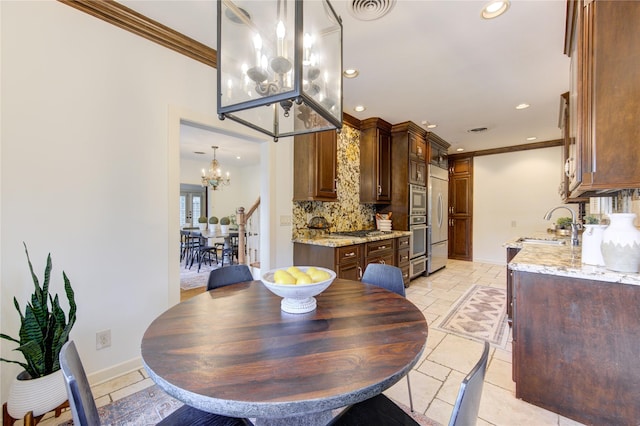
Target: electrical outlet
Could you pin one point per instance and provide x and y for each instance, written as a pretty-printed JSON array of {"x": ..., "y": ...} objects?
[
  {"x": 103, "y": 339},
  {"x": 513, "y": 223}
]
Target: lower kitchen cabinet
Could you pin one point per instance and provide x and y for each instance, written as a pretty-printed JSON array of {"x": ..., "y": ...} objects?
[
  {"x": 350, "y": 261},
  {"x": 403, "y": 250},
  {"x": 576, "y": 346},
  {"x": 511, "y": 253}
]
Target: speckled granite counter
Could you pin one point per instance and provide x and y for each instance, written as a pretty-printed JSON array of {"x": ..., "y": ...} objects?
[
  {"x": 333, "y": 240},
  {"x": 563, "y": 260}
]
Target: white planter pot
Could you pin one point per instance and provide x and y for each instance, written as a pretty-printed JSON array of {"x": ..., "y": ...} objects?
[
  {"x": 39, "y": 395},
  {"x": 591, "y": 242},
  {"x": 202, "y": 226},
  {"x": 224, "y": 229},
  {"x": 621, "y": 244}
]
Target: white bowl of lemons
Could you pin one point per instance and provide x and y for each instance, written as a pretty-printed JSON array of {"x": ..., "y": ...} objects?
[{"x": 297, "y": 285}]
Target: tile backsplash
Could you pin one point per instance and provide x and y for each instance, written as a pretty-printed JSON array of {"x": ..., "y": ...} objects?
[{"x": 347, "y": 213}]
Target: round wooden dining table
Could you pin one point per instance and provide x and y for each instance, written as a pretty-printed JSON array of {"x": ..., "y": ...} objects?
[{"x": 232, "y": 351}]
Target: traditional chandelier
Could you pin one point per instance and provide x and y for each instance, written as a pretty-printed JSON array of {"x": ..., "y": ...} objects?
[
  {"x": 280, "y": 65},
  {"x": 214, "y": 177}
]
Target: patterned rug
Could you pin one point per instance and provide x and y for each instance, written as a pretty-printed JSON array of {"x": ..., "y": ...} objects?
[
  {"x": 191, "y": 278},
  {"x": 479, "y": 314},
  {"x": 149, "y": 406}
]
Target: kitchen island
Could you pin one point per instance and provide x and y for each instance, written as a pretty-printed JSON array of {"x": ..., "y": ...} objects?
[
  {"x": 349, "y": 256},
  {"x": 576, "y": 335}
]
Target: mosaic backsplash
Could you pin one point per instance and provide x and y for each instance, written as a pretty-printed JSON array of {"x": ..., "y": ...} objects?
[{"x": 347, "y": 213}]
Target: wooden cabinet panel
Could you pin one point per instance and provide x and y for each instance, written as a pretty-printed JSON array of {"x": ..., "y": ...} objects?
[
  {"x": 461, "y": 208},
  {"x": 605, "y": 36},
  {"x": 439, "y": 151},
  {"x": 418, "y": 173},
  {"x": 417, "y": 147},
  {"x": 576, "y": 345},
  {"x": 375, "y": 161},
  {"x": 315, "y": 167}
]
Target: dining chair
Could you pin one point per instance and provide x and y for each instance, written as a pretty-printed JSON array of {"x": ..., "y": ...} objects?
[
  {"x": 85, "y": 412},
  {"x": 227, "y": 275},
  {"x": 381, "y": 410},
  {"x": 390, "y": 278}
]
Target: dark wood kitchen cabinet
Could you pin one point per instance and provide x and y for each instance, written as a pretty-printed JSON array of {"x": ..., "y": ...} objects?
[
  {"x": 407, "y": 167},
  {"x": 603, "y": 40},
  {"x": 439, "y": 151},
  {"x": 575, "y": 347},
  {"x": 346, "y": 261},
  {"x": 403, "y": 251},
  {"x": 461, "y": 208},
  {"x": 375, "y": 161},
  {"x": 511, "y": 253},
  {"x": 315, "y": 169},
  {"x": 382, "y": 251}
]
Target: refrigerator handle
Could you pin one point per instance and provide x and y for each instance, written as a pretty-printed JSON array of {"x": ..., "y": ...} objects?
[{"x": 440, "y": 207}]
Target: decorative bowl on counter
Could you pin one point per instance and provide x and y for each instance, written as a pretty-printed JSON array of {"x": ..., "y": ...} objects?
[{"x": 298, "y": 298}]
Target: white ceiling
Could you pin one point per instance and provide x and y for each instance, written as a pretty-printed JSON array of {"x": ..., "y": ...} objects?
[{"x": 434, "y": 61}]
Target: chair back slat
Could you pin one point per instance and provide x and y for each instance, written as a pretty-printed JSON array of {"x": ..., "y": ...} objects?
[
  {"x": 465, "y": 411},
  {"x": 385, "y": 276},
  {"x": 227, "y": 275}
]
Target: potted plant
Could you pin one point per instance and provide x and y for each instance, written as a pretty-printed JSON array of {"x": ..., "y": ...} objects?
[
  {"x": 224, "y": 224},
  {"x": 43, "y": 330},
  {"x": 202, "y": 223},
  {"x": 213, "y": 223},
  {"x": 563, "y": 226}
]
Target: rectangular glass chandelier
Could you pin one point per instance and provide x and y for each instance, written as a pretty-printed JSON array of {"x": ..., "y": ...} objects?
[{"x": 280, "y": 65}]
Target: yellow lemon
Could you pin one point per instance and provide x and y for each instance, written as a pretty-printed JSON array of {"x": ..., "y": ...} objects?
[
  {"x": 283, "y": 277},
  {"x": 303, "y": 279},
  {"x": 311, "y": 271},
  {"x": 321, "y": 276}
]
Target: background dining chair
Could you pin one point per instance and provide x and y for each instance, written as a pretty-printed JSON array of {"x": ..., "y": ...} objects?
[
  {"x": 381, "y": 410},
  {"x": 85, "y": 412},
  {"x": 389, "y": 277},
  {"x": 229, "y": 275}
]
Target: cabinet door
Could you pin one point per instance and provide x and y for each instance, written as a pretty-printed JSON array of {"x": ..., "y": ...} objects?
[
  {"x": 417, "y": 147},
  {"x": 375, "y": 163},
  {"x": 349, "y": 271},
  {"x": 315, "y": 167},
  {"x": 384, "y": 166},
  {"x": 461, "y": 209},
  {"x": 418, "y": 172}
]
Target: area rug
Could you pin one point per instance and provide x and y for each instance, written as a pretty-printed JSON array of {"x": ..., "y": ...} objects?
[
  {"x": 191, "y": 278},
  {"x": 149, "y": 406},
  {"x": 479, "y": 314}
]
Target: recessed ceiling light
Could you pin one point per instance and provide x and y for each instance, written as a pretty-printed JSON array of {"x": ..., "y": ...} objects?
[
  {"x": 532, "y": 138},
  {"x": 237, "y": 157},
  {"x": 359, "y": 108},
  {"x": 522, "y": 106},
  {"x": 460, "y": 149},
  {"x": 350, "y": 73},
  {"x": 495, "y": 8}
]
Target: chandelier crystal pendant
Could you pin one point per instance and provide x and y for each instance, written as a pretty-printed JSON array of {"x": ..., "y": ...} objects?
[
  {"x": 280, "y": 65},
  {"x": 213, "y": 178}
]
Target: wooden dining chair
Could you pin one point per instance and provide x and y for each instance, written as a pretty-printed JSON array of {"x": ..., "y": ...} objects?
[
  {"x": 380, "y": 410},
  {"x": 85, "y": 412},
  {"x": 227, "y": 275},
  {"x": 390, "y": 278}
]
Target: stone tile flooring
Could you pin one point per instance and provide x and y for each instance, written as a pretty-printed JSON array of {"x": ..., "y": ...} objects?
[{"x": 444, "y": 363}]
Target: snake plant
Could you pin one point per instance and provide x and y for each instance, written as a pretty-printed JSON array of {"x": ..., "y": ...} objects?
[{"x": 43, "y": 331}]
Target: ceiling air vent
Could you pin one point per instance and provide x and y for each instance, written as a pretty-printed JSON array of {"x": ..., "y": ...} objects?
[{"x": 369, "y": 10}]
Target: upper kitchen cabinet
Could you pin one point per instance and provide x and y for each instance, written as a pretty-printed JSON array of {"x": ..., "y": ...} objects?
[
  {"x": 375, "y": 161},
  {"x": 315, "y": 167},
  {"x": 603, "y": 41},
  {"x": 413, "y": 137},
  {"x": 439, "y": 148}
]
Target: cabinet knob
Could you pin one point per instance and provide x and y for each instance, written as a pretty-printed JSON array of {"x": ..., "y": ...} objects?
[{"x": 379, "y": 189}]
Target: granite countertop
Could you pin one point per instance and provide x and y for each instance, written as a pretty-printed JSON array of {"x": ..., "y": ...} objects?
[
  {"x": 563, "y": 260},
  {"x": 332, "y": 240}
]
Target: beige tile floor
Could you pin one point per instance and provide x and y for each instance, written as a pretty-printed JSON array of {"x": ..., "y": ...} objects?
[{"x": 444, "y": 363}]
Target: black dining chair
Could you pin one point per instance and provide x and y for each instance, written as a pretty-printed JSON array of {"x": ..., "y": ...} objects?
[
  {"x": 390, "y": 278},
  {"x": 380, "y": 410},
  {"x": 227, "y": 275},
  {"x": 85, "y": 412}
]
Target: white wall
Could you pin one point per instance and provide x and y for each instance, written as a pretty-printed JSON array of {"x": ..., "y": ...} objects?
[
  {"x": 511, "y": 194},
  {"x": 243, "y": 190},
  {"x": 90, "y": 171}
]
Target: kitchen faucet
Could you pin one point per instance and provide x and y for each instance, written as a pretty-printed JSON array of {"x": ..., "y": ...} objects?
[{"x": 574, "y": 224}]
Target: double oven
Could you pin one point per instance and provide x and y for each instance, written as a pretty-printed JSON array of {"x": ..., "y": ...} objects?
[{"x": 419, "y": 230}]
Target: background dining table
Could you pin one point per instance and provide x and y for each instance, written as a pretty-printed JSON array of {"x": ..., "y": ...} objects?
[{"x": 232, "y": 351}]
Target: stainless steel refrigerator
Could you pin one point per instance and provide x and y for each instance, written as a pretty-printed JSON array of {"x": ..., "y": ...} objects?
[{"x": 437, "y": 210}]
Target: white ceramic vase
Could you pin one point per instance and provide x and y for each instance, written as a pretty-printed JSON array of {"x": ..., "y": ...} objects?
[
  {"x": 202, "y": 226},
  {"x": 39, "y": 395},
  {"x": 591, "y": 244},
  {"x": 621, "y": 244},
  {"x": 224, "y": 229}
]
